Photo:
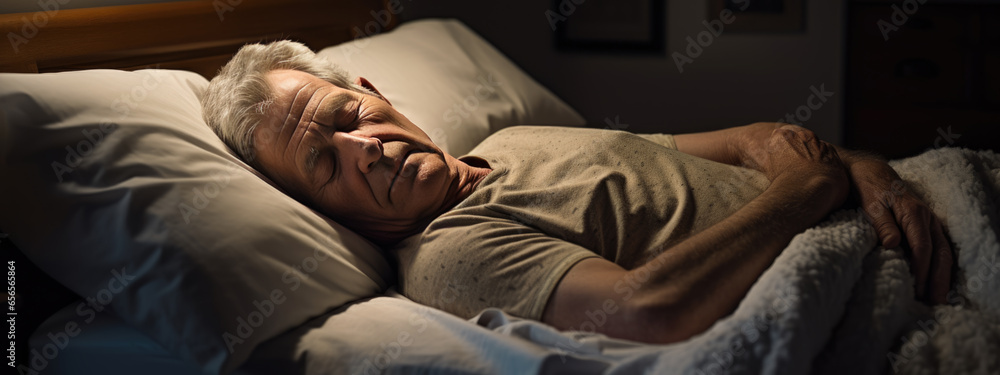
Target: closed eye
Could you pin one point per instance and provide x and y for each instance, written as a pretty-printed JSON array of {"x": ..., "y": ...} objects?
[
  {"x": 312, "y": 159},
  {"x": 350, "y": 117},
  {"x": 316, "y": 166},
  {"x": 332, "y": 109},
  {"x": 321, "y": 161},
  {"x": 333, "y": 168}
]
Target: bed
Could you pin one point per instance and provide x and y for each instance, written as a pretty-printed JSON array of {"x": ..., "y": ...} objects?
[{"x": 158, "y": 251}]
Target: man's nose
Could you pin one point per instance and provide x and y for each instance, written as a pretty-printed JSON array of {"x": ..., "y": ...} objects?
[{"x": 366, "y": 151}]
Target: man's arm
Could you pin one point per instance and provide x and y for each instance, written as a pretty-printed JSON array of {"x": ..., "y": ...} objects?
[
  {"x": 895, "y": 212},
  {"x": 688, "y": 287}
]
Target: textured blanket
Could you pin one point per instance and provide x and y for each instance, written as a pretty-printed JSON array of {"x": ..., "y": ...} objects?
[{"x": 836, "y": 303}]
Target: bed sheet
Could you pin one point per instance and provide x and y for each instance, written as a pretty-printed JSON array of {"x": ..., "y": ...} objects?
[
  {"x": 81, "y": 340},
  {"x": 384, "y": 334}
]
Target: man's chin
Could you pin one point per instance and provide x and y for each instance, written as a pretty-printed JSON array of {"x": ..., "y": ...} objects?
[{"x": 387, "y": 235}]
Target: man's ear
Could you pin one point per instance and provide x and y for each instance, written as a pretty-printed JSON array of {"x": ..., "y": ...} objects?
[{"x": 361, "y": 81}]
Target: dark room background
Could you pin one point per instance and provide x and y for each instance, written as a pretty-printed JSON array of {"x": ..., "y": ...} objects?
[{"x": 897, "y": 77}]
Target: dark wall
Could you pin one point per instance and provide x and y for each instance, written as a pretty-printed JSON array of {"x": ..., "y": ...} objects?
[{"x": 739, "y": 78}]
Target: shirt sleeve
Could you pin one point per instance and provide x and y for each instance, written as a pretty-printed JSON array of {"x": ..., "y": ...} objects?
[
  {"x": 466, "y": 263},
  {"x": 665, "y": 140}
]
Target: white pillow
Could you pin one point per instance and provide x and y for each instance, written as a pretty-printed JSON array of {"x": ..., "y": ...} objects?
[
  {"x": 450, "y": 82},
  {"x": 114, "y": 185}
]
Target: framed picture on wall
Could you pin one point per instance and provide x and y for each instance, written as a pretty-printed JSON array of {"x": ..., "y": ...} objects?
[
  {"x": 609, "y": 25},
  {"x": 762, "y": 15}
]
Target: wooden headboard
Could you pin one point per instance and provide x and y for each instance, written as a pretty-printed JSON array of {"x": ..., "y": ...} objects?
[{"x": 197, "y": 35}]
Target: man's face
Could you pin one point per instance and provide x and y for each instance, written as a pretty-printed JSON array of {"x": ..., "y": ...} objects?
[{"x": 351, "y": 156}]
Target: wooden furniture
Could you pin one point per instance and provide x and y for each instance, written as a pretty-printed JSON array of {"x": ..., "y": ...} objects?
[
  {"x": 197, "y": 35},
  {"x": 922, "y": 77}
]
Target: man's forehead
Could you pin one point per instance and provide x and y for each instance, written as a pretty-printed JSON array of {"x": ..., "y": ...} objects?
[
  {"x": 286, "y": 86},
  {"x": 277, "y": 129},
  {"x": 286, "y": 81}
]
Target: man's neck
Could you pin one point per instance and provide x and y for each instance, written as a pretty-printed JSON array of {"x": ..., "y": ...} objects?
[{"x": 471, "y": 171}]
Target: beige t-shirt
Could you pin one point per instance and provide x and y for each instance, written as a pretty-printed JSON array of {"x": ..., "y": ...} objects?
[{"x": 556, "y": 196}]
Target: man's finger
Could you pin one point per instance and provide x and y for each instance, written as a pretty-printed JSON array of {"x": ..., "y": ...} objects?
[
  {"x": 885, "y": 224},
  {"x": 916, "y": 224},
  {"x": 940, "y": 281}
]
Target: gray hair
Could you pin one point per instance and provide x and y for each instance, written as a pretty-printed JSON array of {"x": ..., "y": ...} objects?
[{"x": 238, "y": 97}]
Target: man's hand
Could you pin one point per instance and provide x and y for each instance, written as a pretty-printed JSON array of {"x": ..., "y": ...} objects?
[
  {"x": 899, "y": 217},
  {"x": 793, "y": 154},
  {"x": 895, "y": 211}
]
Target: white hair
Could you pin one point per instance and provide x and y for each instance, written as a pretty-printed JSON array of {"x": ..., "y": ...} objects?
[{"x": 238, "y": 97}]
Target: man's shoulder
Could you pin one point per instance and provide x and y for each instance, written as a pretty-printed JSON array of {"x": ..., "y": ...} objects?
[
  {"x": 528, "y": 130},
  {"x": 545, "y": 137}
]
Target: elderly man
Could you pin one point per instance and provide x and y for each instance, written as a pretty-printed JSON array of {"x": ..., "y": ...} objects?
[{"x": 551, "y": 223}]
